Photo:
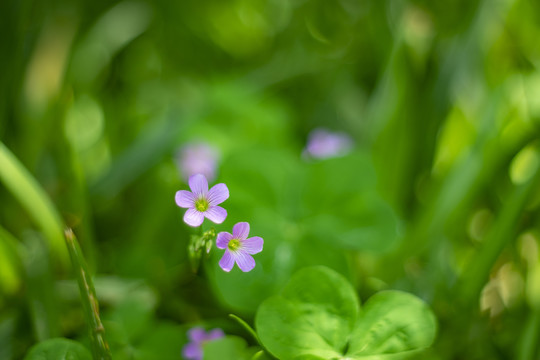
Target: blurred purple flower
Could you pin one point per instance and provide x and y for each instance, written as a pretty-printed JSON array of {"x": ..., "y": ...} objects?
[
  {"x": 198, "y": 158},
  {"x": 197, "y": 336},
  {"x": 324, "y": 144},
  {"x": 202, "y": 202},
  {"x": 238, "y": 248}
]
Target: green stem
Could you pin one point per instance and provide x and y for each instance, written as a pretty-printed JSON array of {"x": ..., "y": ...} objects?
[
  {"x": 529, "y": 338},
  {"x": 100, "y": 348},
  {"x": 477, "y": 273},
  {"x": 35, "y": 200},
  {"x": 257, "y": 355},
  {"x": 10, "y": 263},
  {"x": 246, "y": 326},
  {"x": 252, "y": 332}
]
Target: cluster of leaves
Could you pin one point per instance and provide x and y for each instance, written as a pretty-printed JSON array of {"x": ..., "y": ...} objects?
[{"x": 439, "y": 197}]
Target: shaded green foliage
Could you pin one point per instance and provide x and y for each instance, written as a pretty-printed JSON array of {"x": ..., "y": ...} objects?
[
  {"x": 58, "y": 349},
  {"x": 438, "y": 198}
]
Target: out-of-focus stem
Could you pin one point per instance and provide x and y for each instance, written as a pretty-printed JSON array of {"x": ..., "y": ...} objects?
[
  {"x": 100, "y": 348},
  {"x": 529, "y": 338},
  {"x": 476, "y": 274}
]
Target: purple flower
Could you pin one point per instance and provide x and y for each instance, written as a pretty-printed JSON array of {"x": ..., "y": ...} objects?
[
  {"x": 193, "y": 350},
  {"x": 239, "y": 248},
  {"x": 202, "y": 202},
  {"x": 323, "y": 144},
  {"x": 198, "y": 158}
]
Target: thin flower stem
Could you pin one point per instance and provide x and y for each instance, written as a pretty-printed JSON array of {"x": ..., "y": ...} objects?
[
  {"x": 246, "y": 326},
  {"x": 257, "y": 355},
  {"x": 252, "y": 332},
  {"x": 100, "y": 348}
]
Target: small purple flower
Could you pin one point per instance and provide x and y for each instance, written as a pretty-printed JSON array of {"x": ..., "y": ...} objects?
[
  {"x": 239, "y": 248},
  {"x": 193, "y": 350},
  {"x": 198, "y": 158},
  {"x": 202, "y": 202},
  {"x": 323, "y": 144}
]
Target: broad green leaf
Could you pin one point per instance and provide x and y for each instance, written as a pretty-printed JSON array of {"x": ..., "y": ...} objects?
[
  {"x": 164, "y": 338},
  {"x": 392, "y": 322},
  {"x": 317, "y": 317},
  {"x": 227, "y": 348},
  {"x": 343, "y": 206},
  {"x": 313, "y": 316},
  {"x": 269, "y": 194},
  {"x": 58, "y": 349}
]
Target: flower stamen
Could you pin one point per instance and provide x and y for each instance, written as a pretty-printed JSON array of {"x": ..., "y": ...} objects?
[
  {"x": 201, "y": 204},
  {"x": 234, "y": 244}
]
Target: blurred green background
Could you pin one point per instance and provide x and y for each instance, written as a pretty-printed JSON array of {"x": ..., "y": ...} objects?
[{"x": 438, "y": 196}]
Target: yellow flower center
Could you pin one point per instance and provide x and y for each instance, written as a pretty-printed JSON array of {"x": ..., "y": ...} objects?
[
  {"x": 234, "y": 244},
  {"x": 201, "y": 205}
]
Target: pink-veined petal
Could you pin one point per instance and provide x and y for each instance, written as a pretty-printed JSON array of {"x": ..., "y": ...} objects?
[
  {"x": 253, "y": 245},
  {"x": 241, "y": 230},
  {"x": 223, "y": 239},
  {"x": 216, "y": 214},
  {"x": 218, "y": 194},
  {"x": 227, "y": 261},
  {"x": 184, "y": 199},
  {"x": 192, "y": 351},
  {"x": 193, "y": 218},
  {"x": 244, "y": 260},
  {"x": 198, "y": 185}
]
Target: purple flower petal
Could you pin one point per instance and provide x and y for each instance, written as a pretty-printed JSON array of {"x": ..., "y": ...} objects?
[
  {"x": 323, "y": 144},
  {"x": 218, "y": 194},
  {"x": 197, "y": 334},
  {"x": 192, "y": 351},
  {"x": 227, "y": 261},
  {"x": 244, "y": 260},
  {"x": 184, "y": 199},
  {"x": 215, "y": 334},
  {"x": 198, "y": 158},
  {"x": 223, "y": 239},
  {"x": 241, "y": 230},
  {"x": 253, "y": 245},
  {"x": 193, "y": 218},
  {"x": 216, "y": 214},
  {"x": 198, "y": 185}
]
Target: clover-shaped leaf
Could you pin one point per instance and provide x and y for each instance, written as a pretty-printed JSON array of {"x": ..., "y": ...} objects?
[
  {"x": 58, "y": 349},
  {"x": 228, "y": 348},
  {"x": 317, "y": 316}
]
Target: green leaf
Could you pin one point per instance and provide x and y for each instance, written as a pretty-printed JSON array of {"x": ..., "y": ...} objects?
[
  {"x": 163, "y": 338},
  {"x": 313, "y": 316},
  {"x": 392, "y": 322},
  {"x": 317, "y": 317},
  {"x": 58, "y": 349},
  {"x": 343, "y": 206},
  {"x": 227, "y": 348},
  {"x": 270, "y": 194}
]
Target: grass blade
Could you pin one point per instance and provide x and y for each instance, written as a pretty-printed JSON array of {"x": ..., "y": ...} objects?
[
  {"x": 35, "y": 200},
  {"x": 100, "y": 348}
]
